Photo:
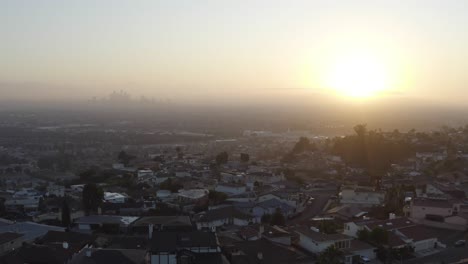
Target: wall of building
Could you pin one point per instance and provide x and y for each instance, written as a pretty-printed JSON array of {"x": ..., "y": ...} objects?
[{"x": 420, "y": 212}]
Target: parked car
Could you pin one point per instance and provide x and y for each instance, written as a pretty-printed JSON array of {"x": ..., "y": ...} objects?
[
  {"x": 364, "y": 259},
  {"x": 460, "y": 243}
]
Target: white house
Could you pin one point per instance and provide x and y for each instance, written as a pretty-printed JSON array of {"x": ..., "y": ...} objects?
[
  {"x": 111, "y": 197},
  {"x": 361, "y": 195},
  {"x": 421, "y": 208},
  {"x": 145, "y": 173},
  {"x": 316, "y": 242},
  {"x": 222, "y": 216}
]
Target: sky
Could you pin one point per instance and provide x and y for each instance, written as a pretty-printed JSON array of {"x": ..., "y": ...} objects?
[{"x": 206, "y": 49}]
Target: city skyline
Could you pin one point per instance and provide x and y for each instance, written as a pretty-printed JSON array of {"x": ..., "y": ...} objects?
[{"x": 215, "y": 49}]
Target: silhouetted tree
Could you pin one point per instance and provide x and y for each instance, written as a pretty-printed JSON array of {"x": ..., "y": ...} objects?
[
  {"x": 216, "y": 197},
  {"x": 266, "y": 218},
  {"x": 66, "y": 217},
  {"x": 222, "y": 158},
  {"x": 277, "y": 218},
  {"x": 125, "y": 158},
  {"x": 92, "y": 198}
]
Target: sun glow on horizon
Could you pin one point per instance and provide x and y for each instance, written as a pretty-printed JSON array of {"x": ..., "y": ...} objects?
[{"x": 357, "y": 76}]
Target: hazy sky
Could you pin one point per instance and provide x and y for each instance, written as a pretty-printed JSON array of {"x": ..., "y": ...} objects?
[{"x": 194, "y": 49}]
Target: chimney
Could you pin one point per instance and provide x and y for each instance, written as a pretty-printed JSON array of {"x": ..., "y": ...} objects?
[
  {"x": 261, "y": 229},
  {"x": 65, "y": 245},
  {"x": 150, "y": 231}
]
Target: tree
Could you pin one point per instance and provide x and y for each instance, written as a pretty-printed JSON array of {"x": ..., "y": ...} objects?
[
  {"x": 379, "y": 236},
  {"x": 277, "y": 218},
  {"x": 363, "y": 235},
  {"x": 244, "y": 157},
  {"x": 266, "y": 218},
  {"x": 303, "y": 145},
  {"x": 330, "y": 255},
  {"x": 216, "y": 197},
  {"x": 66, "y": 217},
  {"x": 124, "y": 157},
  {"x": 328, "y": 227},
  {"x": 2, "y": 207},
  {"x": 42, "y": 207},
  {"x": 171, "y": 185},
  {"x": 222, "y": 158},
  {"x": 92, "y": 198}
]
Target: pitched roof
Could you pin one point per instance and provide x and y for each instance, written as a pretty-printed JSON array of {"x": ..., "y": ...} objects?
[
  {"x": 320, "y": 237},
  {"x": 8, "y": 236},
  {"x": 359, "y": 245},
  {"x": 417, "y": 233},
  {"x": 275, "y": 203},
  {"x": 121, "y": 256},
  {"x": 174, "y": 220},
  {"x": 69, "y": 237},
  {"x": 389, "y": 224},
  {"x": 108, "y": 219},
  {"x": 166, "y": 241},
  {"x": 222, "y": 213},
  {"x": 271, "y": 253},
  {"x": 30, "y": 230},
  {"x": 432, "y": 203},
  {"x": 39, "y": 254}
]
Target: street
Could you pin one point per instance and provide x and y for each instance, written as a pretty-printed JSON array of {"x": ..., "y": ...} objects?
[{"x": 321, "y": 198}]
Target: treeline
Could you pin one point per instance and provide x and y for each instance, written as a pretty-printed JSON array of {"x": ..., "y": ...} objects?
[{"x": 371, "y": 150}]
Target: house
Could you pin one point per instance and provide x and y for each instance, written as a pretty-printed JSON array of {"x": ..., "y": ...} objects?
[
  {"x": 345, "y": 212},
  {"x": 418, "y": 237},
  {"x": 10, "y": 241},
  {"x": 222, "y": 216},
  {"x": 192, "y": 195},
  {"x": 162, "y": 223},
  {"x": 111, "y": 197},
  {"x": 33, "y": 253},
  {"x": 270, "y": 206},
  {"x": 357, "y": 250},
  {"x": 29, "y": 230},
  {"x": 316, "y": 242},
  {"x": 110, "y": 222},
  {"x": 263, "y": 251},
  {"x": 352, "y": 228},
  {"x": 276, "y": 235},
  {"x": 421, "y": 208},
  {"x": 231, "y": 188},
  {"x": 184, "y": 248},
  {"x": 402, "y": 232},
  {"x": 69, "y": 240},
  {"x": 103, "y": 256},
  {"x": 361, "y": 195},
  {"x": 145, "y": 173}
]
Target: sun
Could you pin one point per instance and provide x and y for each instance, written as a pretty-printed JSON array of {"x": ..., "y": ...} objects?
[{"x": 358, "y": 76}]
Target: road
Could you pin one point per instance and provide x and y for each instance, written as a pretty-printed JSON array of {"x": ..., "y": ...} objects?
[{"x": 321, "y": 198}]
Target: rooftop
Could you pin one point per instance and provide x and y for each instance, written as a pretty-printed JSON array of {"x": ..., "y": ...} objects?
[
  {"x": 175, "y": 220},
  {"x": 108, "y": 219},
  {"x": 8, "y": 236},
  {"x": 432, "y": 203},
  {"x": 166, "y": 241},
  {"x": 321, "y": 237}
]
